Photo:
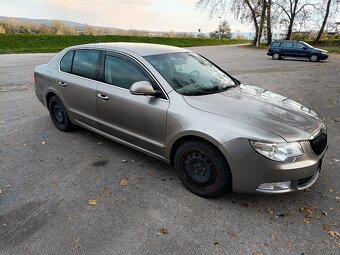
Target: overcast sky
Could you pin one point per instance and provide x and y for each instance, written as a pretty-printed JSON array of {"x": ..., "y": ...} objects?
[{"x": 154, "y": 15}]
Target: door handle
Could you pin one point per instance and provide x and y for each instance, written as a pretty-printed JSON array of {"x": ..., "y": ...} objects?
[
  {"x": 61, "y": 83},
  {"x": 104, "y": 97}
]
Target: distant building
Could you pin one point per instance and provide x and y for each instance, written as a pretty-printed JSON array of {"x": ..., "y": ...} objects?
[{"x": 334, "y": 28}]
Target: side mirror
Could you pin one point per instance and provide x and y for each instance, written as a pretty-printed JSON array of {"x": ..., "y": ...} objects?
[
  {"x": 143, "y": 88},
  {"x": 305, "y": 48}
]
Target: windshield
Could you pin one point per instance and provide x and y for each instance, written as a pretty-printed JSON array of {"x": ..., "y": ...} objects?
[
  {"x": 191, "y": 74},
  {"x": 308, "y": 45}
]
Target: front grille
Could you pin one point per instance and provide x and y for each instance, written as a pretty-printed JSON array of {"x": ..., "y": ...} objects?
[{"x": 319, "y": 143}]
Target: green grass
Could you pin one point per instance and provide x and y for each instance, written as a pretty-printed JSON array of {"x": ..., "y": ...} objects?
[{"x": 21, "y": 43}]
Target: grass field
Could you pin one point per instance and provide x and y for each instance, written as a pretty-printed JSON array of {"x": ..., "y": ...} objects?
[{"x": 20, "y": 43}]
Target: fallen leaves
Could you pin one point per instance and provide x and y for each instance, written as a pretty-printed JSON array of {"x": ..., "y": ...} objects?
[
  {"x": 334, "y": 234},
  {"x": 124, "y": 182},
  {"x": 92, "y": 202},
  {"x": 106, "y": 192},
  {"x": 257, "y": 253},
  {"x": 327, "y": 227},
  {"x": 54, "y": 180},
  {"x": 232, "y": 234},
  {"x": 270, "y": 211},
  {"x": 164, "y": 231},
  {"x": 307, "y": 211},
  {"x": 306, "y": 221}
]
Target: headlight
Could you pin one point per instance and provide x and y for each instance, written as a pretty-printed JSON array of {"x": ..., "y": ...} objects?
[
  {"x": 324, "y": 52},
  {"x": 278, "y": 151}
]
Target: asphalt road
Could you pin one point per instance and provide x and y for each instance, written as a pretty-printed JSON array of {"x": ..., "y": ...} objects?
[{"x": 48, "y": 177}]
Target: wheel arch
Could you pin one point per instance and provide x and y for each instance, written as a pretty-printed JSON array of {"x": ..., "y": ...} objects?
[
  {"x": 48, "y": 97},
  {"x": 187, "y": 137}
]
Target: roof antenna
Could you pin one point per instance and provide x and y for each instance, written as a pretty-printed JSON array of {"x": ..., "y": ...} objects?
[{"x": 94, "y": 38}]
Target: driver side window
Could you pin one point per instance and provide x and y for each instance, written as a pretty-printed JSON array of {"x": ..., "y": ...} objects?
[{"x": 123, "y": 73}]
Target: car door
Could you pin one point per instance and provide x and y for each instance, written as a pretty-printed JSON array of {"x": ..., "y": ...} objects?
[
  {"x": 77, "y": 84},
  {"x": 288, "y": 49},
  {"x": 300, "y": 50},
  {"x": 136, "y": 119}
]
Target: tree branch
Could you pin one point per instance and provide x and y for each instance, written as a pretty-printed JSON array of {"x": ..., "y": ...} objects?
[
  {"x": 303, "y": 6},
  {"x": 283, "y": 9}
]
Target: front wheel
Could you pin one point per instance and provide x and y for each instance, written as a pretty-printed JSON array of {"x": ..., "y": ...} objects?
[
  {"x": 276, "y": 56},
  {"x": 313, "y": 58},
  {"x": 202, "y": 169},
  {"x": 59, "y": 115}
]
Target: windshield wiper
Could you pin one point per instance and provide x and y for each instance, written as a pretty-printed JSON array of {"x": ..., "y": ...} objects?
[
  {"x": 208, "y": 91},
  {"x": 216, "y": 89}
]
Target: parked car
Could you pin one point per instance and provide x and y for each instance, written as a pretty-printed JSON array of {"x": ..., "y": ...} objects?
[
  {"x": 296, "y": 49},
  {"x": 179, "y": 107}
]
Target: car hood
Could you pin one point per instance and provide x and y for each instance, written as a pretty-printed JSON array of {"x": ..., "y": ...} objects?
[
  {"x": 261, "y": 108},
  {"x": 319, "y": 49}
]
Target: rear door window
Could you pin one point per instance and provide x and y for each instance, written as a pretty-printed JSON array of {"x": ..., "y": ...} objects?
[
  {"x": 85, "y": 63},
  {"x": 66, "y": 62},
  {"x": 288, "y": 44}
]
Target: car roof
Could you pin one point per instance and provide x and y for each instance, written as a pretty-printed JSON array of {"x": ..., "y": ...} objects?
[
  {"x": 288, "y": 41},
  {"x": 142, "y": 49}
]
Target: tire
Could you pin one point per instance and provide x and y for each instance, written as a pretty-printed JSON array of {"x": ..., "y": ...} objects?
[
  {"x": 59, "y": 114},
  {"x": 276, "y": 56},
  {"x": 202, "y": 169},
  {"x": 314, "y": 58}
]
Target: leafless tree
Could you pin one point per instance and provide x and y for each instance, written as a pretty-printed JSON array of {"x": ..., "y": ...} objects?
[
  {"x": 324, "y": 22},
  {"x": 253, "y": 11},
  {"x": 291, "y": 9}
]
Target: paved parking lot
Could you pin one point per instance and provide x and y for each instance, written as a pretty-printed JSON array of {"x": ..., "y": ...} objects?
[{"x": 48, "y": 179}]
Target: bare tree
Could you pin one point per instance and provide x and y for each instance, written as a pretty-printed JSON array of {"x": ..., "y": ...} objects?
[
  {"x": 253, "y": 11},
  {"x": 292, "y": 8},
  {"x": 324, "y": 22}
]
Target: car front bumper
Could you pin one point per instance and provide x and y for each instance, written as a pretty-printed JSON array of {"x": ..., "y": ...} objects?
[
  {"x": 250, "y": 170},
  {"x": 323, "y": 56}
]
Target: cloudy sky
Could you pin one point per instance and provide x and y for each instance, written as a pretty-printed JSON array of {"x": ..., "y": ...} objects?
[{"x": 154, "y": 15}]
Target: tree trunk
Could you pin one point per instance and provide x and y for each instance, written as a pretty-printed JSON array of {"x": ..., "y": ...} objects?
[
  {"x": 263, "y": 15},
  {"x": 290, "y": 28},
  {"x": 291, "y": 21},
  {"x": 269, "y": 22},
  {"x": 323, "y": 23},
  {"x": 253, "y": 14}
]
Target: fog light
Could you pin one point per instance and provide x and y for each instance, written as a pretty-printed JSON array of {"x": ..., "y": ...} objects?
[{"x": 275, "y": 186}]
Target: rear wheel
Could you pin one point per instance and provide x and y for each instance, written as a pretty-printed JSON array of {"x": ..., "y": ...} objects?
[
  {"x": 276, "y": 56},
  {"x": 314, "y": 58},
  {"x": 202, "y": 169},
  {"x": 59, "y": 115}
]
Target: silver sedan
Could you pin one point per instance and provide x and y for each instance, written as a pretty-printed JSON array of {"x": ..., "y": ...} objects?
[{"x": 179, "y": 107}]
